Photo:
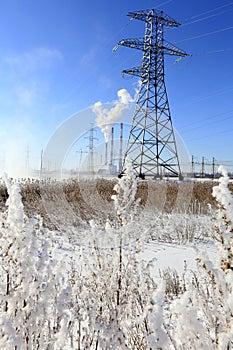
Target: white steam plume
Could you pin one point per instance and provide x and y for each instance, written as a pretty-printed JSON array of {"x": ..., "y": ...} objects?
[{"x": 106, "y": 117}]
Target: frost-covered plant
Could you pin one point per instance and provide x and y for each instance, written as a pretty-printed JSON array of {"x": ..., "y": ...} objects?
[
  {"x": 116, "y": 302},
  {"x": 203, "y": 316},
  {"x": 126, "y": 206},
  {"x": 177, "y": 227},
  {"x": 175, "y": 283},
  {"x": 106, "y": 299},
  {"x": 30, "y": 286}
]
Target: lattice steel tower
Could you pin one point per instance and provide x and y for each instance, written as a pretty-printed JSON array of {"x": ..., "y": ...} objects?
[{"x": 151, "y": 144}]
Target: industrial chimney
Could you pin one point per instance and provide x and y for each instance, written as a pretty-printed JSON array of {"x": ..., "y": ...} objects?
[
  {"x": 120, "y": 150},
  {"x": 112, "y": 145}
]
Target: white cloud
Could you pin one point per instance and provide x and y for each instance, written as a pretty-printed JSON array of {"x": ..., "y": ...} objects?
[
  {"x": 29, "y": 74},
  {"x": 90, "y": 56},
  {"x": 35, "y": 59},
  {"x": 26, "y": 96}
]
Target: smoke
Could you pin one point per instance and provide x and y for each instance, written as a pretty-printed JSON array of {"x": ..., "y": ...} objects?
[{"x": 106, "y": 117}]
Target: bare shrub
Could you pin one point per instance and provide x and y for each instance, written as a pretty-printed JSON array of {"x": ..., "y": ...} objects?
[{"x": 175, "y": 284}]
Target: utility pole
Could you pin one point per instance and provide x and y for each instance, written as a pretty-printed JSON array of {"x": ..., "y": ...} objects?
[
  {"x": 81, "y": 152},
  {"x": 213, "y": 167},
  {"x": 203, "y": 167},
  {"x": 151, "y": 144},
  {"x": 91, "y": 150},
  {"x": 192, "y": 165}
]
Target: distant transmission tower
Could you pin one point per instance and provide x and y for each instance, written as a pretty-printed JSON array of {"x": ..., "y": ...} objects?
[
  {"x": 91, "y": 150},
  {"x": 151, "y": 144}
]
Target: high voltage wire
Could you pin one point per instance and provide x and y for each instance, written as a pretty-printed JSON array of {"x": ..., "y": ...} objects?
[
  {"x": 210, "y": 33},
  {"x": 108, "y": 41},
  {"x": 210, "y": 117},
  {"x": 199, "y": 18},
  {"x": 206, "y": 124},
  {"x": 217, "y": 8},
  {"x": 211, "y": 52},
  {"x": 214, "y": 94},
  {"x": 206, "y": 34},
  {"x": 164, "y": 3},
  {"x": 206, "y": 136},
  {"x": 191, "y": 21},
  {"x": 103, "y": 46},
  {"x": 204, "y": 18}
]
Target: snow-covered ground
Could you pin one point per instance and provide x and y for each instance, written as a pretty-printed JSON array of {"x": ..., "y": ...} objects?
[{"x": 175, "y": 256}]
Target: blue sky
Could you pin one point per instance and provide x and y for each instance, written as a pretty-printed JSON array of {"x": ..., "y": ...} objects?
[{"x": 56, "y": 60}]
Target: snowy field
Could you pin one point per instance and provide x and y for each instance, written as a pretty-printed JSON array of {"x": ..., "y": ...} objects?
[
  {"x": 138, "y": 280},
  {"x": 175, "y": 256}
]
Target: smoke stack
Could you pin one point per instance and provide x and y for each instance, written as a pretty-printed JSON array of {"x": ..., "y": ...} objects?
[
  {"x": 112, "y": 141},
  {"x": 106, "y": 152},
  {"x": 120, "y": 151}
]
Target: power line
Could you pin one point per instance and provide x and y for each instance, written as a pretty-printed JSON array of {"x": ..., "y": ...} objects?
[
  {"x": 207, "y": 136},
  {"x": 190, "y": 20},
  {"x": 164, "y": 3},
  {"x": 204, "y": 18},
  {"x": 217, "y": 8},
  {"x": 206, "y": 124},
  {"x": 216, "y": 93},
  {"x": 206, "y": 34},
  {"x": 210, "y": 117},
  {"x": 213, "y": 51},
  {"x": 105, "y": 44}
]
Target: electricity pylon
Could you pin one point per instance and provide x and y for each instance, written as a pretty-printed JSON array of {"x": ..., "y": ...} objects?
[{"x": 151, "y": 144}]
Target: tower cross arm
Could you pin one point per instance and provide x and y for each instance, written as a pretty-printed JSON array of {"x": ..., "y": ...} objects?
[
  {"x": 137, "y": 71},
  {"x": 145, "y": 15},
  {"x": 132, "y": 43},
  {"x": 170, "y": 49}
]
